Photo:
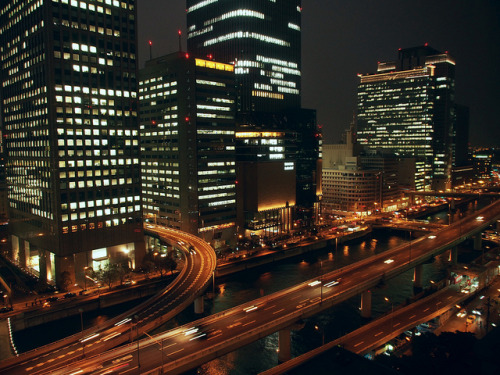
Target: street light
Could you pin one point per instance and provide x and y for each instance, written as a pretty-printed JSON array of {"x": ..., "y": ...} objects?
[
  {"x": 392, "y": 312},
  {"x": 136, "y": 318},
  {"x": 321, "y": 278},
  {"x": 410, "y": 248},
  {"x": 81, "y": 322},
  {"x": 322, "y": 333}
]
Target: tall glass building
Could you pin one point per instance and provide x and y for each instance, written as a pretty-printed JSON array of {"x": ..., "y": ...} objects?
[
  {"x": 69, "y": 108},
  {"x": 188, "y": 145},
  {"x": 407, "y": 109},
  {"x": 260, "y": 38}
]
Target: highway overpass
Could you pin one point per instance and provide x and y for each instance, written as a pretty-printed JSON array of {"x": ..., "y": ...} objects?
[
  {"x": 188, "y": 285},
  {"x": 191, "y": 345}
]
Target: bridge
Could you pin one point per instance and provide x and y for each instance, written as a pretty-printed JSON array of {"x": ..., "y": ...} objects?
[
  {"x": 186, "y": 288},
  {"x": 376, "y": 333},
  {"x": 191, "y": 345},
  {"x": 453, "y": 194}
]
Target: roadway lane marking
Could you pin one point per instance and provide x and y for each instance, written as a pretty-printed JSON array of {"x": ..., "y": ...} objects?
[
  {"x": 234, "y": 325},
  {"x": 168, "y": 346},
  {"x": 359, "y": 343},
  {"x": 130, "y": 369},
  {"x": 411, "y": 317},
  {"x": 426, "y": 309},
  {"x": 215, "y": 336},
  {"x": 180, "y": 350},
  {"x": 437, "y": 303},
  {"x": 395, "y": 325},
  {"x": 270, "y": 307},
  {"x": 295, "y": 297},
  {"x": 278, "y": 311},
  {"x": 305, "y": 300},
  {"x": 253, "y": 321},
  {"x": 378, "y": 334}
]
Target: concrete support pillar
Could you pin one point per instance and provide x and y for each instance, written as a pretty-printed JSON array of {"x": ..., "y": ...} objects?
[
  {"x": 198, "y": 305},
  {"x": 284, "y": 353},
  {"x": 14, "y": 240},
  {"x": 478, "y": 242},
  {"x": 23, "y": 252},
  {"x": 139, "y": 253},
  {"x": 417, "y": 276},
  {"x": 82, "y": 261},
  {"x": 498, "y": 226},
  {"x": 366, "y": 304},
  {"x": 43, "y": 262},
  {"x": 63, "y": 264},
  {"x": 453, "y": 258}
]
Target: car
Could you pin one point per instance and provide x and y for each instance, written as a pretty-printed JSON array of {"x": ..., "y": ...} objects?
[
  {"x": 52, "y": 299},
  {"x": 471, "y": 319},
  {"x": 69, "y": 295},
  {"x": 6, "y": 309},
  {"x": 462, "y": 313}
]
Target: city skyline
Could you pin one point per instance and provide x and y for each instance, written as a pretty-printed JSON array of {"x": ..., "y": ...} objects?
[{"x": 356, "y": 40}]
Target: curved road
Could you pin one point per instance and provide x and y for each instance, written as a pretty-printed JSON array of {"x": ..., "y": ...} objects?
[
  {"x": 187, "y": 286},
  {"x": 191, "y": 345}
]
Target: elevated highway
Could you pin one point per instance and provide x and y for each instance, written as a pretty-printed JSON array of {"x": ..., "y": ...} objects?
[
  {"x": 188, "y": 285},
  {"x": 191, "y": 345},
  {"x": 453, "y": 194},
  {"x": 376, "y": 333}
]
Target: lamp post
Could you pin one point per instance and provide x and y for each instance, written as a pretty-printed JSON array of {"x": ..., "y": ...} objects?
[
  {"x": 81, "y": 322},
  {"x": 321, "y": 279},
  {"x": 136, "y": 318},
  {"x": 85, "y": 278},
  {"x": 410, "y": 248},
  {"x": 322, "y": 334},
  {"x": 392, "y": 312}
]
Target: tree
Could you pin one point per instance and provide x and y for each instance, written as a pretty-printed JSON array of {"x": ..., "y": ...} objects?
[
  {"x": 123, "y": 271},
  {"x": 108, "y": 274}
]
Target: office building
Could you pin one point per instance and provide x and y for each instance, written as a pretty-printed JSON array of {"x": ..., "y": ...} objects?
[
  {"x": 359, "y": 182},
  {"x": 407, "y": 108},
  {"x": 69, "y": 107},
  {"x": 266, "y": 178},
  {"x": 188, "y": 146},
  {"x": 262, "y": 39}
]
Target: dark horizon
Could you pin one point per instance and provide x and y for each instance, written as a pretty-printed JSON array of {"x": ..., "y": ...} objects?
[{"x": 340, "y": 40}]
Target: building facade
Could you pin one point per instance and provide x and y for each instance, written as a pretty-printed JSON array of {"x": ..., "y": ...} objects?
[
  {"x": 262, "y": 39},
  {"x": 69, "y": 104},
  {"x": 266, "y": 178},
  {"x": 407, "y": 108},
  {"x": 188, "y": 145}
]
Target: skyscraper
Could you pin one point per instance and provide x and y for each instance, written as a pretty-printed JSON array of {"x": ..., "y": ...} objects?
[
  {"x": 261, "y": 39},
  {"x": 188, "y": 145},
  {"x": 72, "y": 140},
  {"x": 407, "y": 108}
]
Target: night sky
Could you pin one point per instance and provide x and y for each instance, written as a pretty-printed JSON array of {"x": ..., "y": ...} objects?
[{"x": 346, "y": 37}]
